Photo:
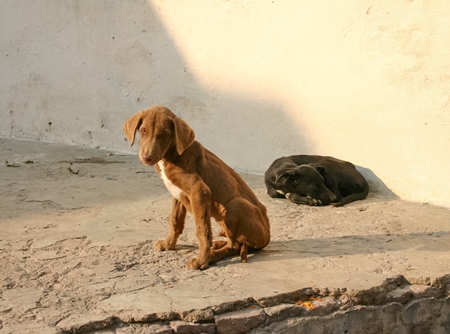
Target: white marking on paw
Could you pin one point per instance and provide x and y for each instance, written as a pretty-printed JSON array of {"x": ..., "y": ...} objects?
[{"x": 173, "y": 189}]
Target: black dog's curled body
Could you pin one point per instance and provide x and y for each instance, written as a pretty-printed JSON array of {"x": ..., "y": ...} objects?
[{"x": 315, "y": 180}]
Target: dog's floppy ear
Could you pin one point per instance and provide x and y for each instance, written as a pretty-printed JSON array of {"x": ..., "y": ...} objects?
[
  {"x": 320, "y": 169},
  {"x": 284, "y": 175},
  {"x": 131, "y": 125},
  {"x": 184, "y": 135}
]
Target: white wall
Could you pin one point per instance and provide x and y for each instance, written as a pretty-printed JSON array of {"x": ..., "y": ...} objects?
[{"x": 364, "y": 81}]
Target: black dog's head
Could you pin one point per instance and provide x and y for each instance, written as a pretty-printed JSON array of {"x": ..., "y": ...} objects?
[{"x": 305, "y": 180}]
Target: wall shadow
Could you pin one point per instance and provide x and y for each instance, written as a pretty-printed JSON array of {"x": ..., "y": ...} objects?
[
  {"x": 376, "y": 185},
  {"x": 240, "y": 127}
]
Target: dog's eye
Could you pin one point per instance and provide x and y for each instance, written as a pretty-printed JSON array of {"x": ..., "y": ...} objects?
[
  {"x": 296, "y": 181},
  {"x": 163, "y": 134}
]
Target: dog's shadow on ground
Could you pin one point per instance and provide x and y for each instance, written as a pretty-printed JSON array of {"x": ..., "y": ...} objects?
[
  {"x": 353, "y": 245},
  {"x": 345, "y": 246}
]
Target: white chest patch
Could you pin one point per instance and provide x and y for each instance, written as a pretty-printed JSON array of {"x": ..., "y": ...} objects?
[{"x": 173, "y": 189}]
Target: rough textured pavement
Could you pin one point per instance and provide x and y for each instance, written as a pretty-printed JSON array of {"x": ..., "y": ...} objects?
[{"x": 77, "y": 228}]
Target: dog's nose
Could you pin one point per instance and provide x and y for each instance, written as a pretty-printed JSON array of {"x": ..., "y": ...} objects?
[{"x": 147, "y": 158}]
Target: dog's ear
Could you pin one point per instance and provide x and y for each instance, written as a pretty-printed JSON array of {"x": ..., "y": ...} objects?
[
  {"x": 320, "y": 169},
  {"x": 284, "y": 175},
  {"x": 131, "y": 125},
  {"x": 184, "y": 135}
]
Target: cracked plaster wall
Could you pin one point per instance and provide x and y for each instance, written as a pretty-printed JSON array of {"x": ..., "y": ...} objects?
[{"x": 367, "y": 82}]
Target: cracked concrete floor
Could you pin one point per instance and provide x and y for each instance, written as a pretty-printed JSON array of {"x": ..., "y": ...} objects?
[{"x": 77, "y": 228}]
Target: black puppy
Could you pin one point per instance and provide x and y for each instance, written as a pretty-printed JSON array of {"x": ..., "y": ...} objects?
[{"x": 315, "y": 180}]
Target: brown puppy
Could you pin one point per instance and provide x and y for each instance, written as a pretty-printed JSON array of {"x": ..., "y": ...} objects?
[{"x": 202, "y": 184}]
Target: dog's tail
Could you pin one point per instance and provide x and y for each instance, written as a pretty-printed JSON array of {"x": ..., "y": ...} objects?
[{"x": 355, "y": 197}]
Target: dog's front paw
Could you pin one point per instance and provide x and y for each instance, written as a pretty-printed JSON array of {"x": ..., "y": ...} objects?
[
  {"x": 312, "y": 201},
  {"x": 194, "y": 263},
  {"x": 162, "y": 245},
  {"x": 298, "y": 199}
]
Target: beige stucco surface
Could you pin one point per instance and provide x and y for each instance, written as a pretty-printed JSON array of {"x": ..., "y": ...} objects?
[{"x": 364, "y": 81}]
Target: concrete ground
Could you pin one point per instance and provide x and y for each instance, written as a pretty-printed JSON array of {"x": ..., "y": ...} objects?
[{"x": 77, "y": 228}]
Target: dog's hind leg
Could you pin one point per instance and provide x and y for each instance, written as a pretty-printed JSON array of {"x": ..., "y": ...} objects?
[
  {"x": 246, "y": 227},
  {"x": 222, "y": 253},
  {"x": 176, "y": 226},
  {"x": 219, "y": 244}
]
